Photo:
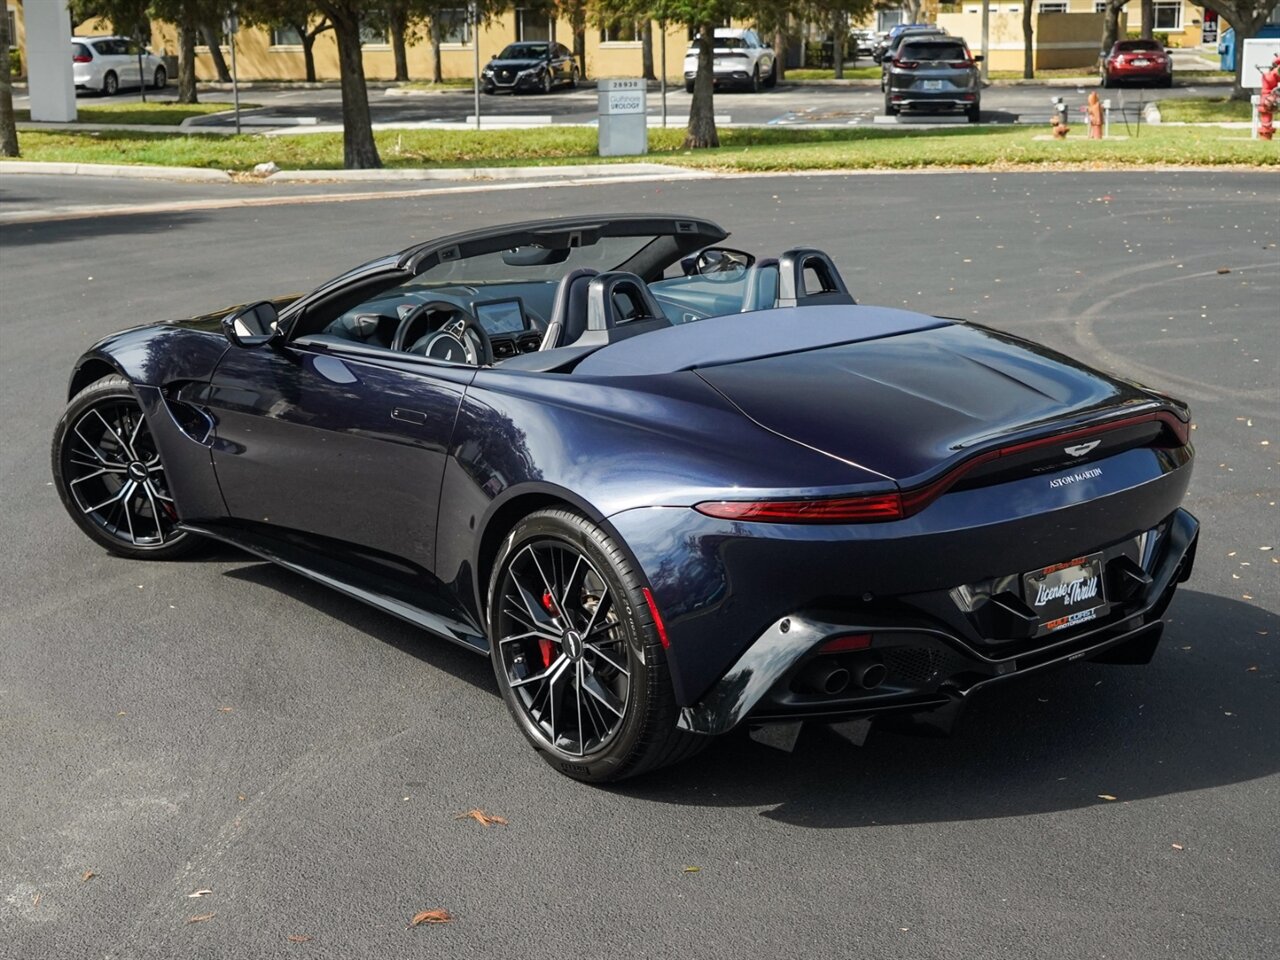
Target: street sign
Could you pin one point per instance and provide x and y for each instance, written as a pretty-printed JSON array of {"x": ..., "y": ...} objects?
[{"x": 1258, "y": 55}]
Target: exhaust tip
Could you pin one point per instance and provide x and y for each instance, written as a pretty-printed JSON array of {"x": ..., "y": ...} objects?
[{"x": 872, "y": 675}]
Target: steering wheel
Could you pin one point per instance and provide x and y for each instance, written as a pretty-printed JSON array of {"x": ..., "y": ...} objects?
[{"x": 458, "y": 338}]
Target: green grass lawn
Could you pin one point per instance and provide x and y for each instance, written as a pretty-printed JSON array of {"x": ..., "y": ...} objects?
[
  {"x": 1205, "y": 110},
  {"x": 167, "y": 114},
  {"x": 447, "y": 83},
  {"x": 869, "y": 72},
  {"x": 742, "y": 149}
]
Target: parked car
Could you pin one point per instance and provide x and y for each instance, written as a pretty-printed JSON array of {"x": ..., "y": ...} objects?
[
  {"x": 742, "y": 59},
  {"x": 933, "y": 73},
  {"x": 891, "y": 49},
  {"x": 864, "y": 42},
  {"x": 106, "y": 64},
  {"x": 696, "y": 490},
  {"x": 888, "y": 39},
  {"x": 1136, "y": 60},
  {"x": 530, "y": 66}
]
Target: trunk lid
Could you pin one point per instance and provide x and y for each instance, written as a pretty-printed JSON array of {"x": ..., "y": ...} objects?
[{"x": 908, "y": 406}]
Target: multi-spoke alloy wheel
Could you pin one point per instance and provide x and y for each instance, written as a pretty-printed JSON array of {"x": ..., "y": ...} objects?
[
  {"x": 109, "y": 475},
  {"x": 577, "y": 654}
]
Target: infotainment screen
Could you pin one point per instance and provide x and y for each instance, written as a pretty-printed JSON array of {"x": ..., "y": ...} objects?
[{"x": 501, "y": 316}]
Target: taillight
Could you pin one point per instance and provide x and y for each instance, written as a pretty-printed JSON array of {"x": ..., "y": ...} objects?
[
  {"x": 846, "y": 644},
  {"x": 906, "y": 64},
  {"x": 961, "y": 64},
  {"x": 82, "y": 59},
  {"x": 865, "y": 509}
]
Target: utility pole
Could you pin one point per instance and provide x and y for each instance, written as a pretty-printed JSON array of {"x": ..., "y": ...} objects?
[
  {"x": 986, "y": 37},
  {"x": 473, "y": 14}
]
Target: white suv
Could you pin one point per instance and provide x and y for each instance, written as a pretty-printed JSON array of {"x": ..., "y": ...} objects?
[
  {"x": 106, "y": 64},
  {"x": 742, "y": 59}
]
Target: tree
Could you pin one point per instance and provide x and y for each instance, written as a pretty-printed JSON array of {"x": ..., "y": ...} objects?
[
  {"x": 8, "y": 129},
  {"x": 358, "y": 148},
  {"x": 1028, "y": 48},
  {"x": 576, "y": 11},
  {"x": 838, "y": 14},
  {"x": 212, "y": 33},
  {"x": 187, "y": 16},
  {"x": 1148, "y": 19},
  {"x": 1111, "y": 25},
  {"x": 646, "y": 51}
]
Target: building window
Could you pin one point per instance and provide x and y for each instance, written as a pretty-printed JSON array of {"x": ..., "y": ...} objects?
[
  {"x": 534, "y": 26},
  {"x": 619, "y": 31},
  {"x": 13, "y": 31},
  {"x": 285, "y": 36},
  {"x": 371, "y": 36},
  {"x": 1052, "y": 6},
  {"x": 452, "y": 25},
  {"x": 1099, "y": 6},
  {"x": 1168, "y": 15}
]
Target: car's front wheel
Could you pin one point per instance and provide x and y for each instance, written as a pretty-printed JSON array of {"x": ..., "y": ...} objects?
[
  {"x": 577, "y": 654},
  {"x": 108, "y": 473},
  {"x": 161, "y": 78}
]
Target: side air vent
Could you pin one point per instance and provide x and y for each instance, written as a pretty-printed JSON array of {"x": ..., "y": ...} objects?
[
  {"x": 530, "y": 342},
  {"x": 503, "y": 349}
]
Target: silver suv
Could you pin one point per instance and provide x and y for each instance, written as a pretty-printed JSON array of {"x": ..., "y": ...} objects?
[{"x": 933, "y": 73}]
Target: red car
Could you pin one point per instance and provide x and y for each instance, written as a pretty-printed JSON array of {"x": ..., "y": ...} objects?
[{"x": 1143, "y": 60}]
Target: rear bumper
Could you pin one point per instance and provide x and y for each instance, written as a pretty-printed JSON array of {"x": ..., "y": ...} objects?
[
  {"x": 927, "y": 671},
  {"x": 934, "y": 100}
]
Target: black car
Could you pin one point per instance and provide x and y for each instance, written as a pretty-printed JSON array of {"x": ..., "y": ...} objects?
[
  {"x": 886, "y": 53},
  {"x": 530, "y": 66},
  {"x": 667, "y": 487}
]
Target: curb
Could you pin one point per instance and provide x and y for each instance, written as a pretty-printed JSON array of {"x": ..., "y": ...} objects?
[
  {"x": 601, "y": 171},
  {"x": 123, "y": 171}
]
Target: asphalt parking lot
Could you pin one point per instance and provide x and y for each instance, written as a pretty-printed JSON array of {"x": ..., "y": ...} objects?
[{"x": 222, "y": 725}]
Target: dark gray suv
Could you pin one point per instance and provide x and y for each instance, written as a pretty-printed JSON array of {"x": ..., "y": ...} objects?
[{"x": 933, "y": 73}]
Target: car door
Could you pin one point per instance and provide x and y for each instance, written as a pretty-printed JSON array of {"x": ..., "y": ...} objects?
[
  {"x": 564, "y": 62},
  {"x": 130, "y": 51},
  {"x": 338, "y": 442}
]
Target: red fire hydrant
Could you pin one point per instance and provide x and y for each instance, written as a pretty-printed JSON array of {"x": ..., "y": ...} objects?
[{"x": 1269, "y": 100}]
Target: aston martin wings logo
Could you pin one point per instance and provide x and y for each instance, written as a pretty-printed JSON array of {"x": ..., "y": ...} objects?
[{"x": 1080, "y": 449}]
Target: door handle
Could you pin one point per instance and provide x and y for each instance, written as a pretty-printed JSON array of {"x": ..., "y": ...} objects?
[{"x": 408, "y": 416}]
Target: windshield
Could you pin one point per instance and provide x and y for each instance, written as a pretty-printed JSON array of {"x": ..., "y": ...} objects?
[
  {"x": 1125, "y": 46},
  {"x": 523, "y": 51}
]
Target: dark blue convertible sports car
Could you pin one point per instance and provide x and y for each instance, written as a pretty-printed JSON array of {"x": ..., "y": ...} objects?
[{"x": 667, "y": 486}]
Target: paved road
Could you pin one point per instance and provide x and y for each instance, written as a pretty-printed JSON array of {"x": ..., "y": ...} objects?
[
  {"x": 227, "y": 726},
  {"x": 788, "y": 104}
]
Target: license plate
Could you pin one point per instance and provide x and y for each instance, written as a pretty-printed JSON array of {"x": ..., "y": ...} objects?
[
  {"x": 1139, "y": 63},
  {"x": 932, "y": 84},
  {"x": 1066, "y": 594}
]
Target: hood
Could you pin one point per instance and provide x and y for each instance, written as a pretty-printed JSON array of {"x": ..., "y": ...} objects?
[
  {"x": 517, "y": 65},
  {"x": 905, "y": 406}
]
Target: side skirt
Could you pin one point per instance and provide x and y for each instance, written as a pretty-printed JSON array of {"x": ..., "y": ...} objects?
[{"x": 385, "y": 595}]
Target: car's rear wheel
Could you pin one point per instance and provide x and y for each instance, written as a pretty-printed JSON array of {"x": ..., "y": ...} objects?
[
  {"x": 161, "y": 78},
  {"x": 688, "y": 86},
  {"x": 110, "y": 84},
  {"x": 771, "y": 80},
  {"x": 974, "y": 113},
  {"x": 576, "y": 652},
  {"x": 1105, "y": 80},
  {"x": 890, "y": 108},
  {"x": 754, "y": 83},
  {"x": 108, "y": 473}
]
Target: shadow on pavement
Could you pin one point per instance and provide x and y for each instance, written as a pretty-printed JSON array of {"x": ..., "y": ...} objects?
[
  {"x": 1192, "y": 719},
  {"x": 51, "y": 231}
]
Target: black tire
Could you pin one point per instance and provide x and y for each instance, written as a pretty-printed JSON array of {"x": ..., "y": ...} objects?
[
  {"x": 754, "y": 82},
  {"x": 890, "y": 109},
  {"x": 688, "y": 86},
  {"x": 771, "y": 80},
  {"x": 573, "y": 79},
  {"x": 1167, "y": 82},
  {"x": 108, "y": 473},
  {"x": 537, "y": 643},
  {"x": 1106, "y": 81},
  {"x": 547, "y": 82},
  {"x": 489, "y": 89},
  {"x": 110, "y": 84},
  {"x": 161, "y": 78},
  {"x": 974, "y": 113}
]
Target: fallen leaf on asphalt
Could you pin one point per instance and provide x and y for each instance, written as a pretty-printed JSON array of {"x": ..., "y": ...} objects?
[
  {"x": 199, "y": 893},
  {"x": 692, "y": 869},
  {"x": 240, "y": 797},
  {"x": 1176, "y": 846},
  {"x": 87, "y": 876},
  {"x": 299, "y": 938},
  {"x": 121, "y": 713},
  {"x": 482, "y": 818},
  {"x": 1224, "y": 269},
  {"x": 1105, "y": 796},
  {"x": 35, "y": 901},
  {"x": 225, "y": 709},
  {"x": 431, "y": 916},
  {"x": 201, "y": 918},
  {"x": 1251, "y": 670}
]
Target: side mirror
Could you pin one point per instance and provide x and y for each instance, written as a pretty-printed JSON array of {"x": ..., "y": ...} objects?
[
  {"x": 718, "y": 263},
  {"x": 979, "y": 58},
  {"x": 253, "y": 325}
]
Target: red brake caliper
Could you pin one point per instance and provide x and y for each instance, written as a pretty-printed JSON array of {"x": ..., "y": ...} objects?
[{"x": 548, "y": 647}]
